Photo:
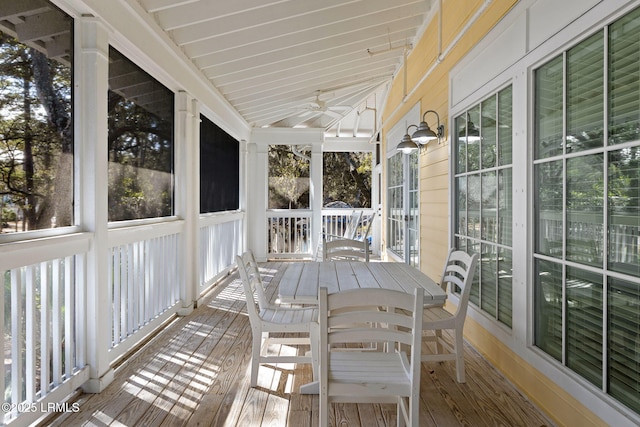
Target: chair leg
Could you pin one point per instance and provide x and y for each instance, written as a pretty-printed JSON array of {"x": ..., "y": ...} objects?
[
  {"x": 438, "y": 340},
  {"x": 255, "y": 357},
  {"x": 314, "y": 338},
  {"x": 324, "y": 409},
  {"x": 459, "y": 348},
  {"x": 401, "y": 407}
]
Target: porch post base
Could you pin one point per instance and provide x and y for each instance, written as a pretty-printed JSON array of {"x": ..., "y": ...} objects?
[
  {"x": 96, "y": 385},
  {"x": 186, "y": 310}
]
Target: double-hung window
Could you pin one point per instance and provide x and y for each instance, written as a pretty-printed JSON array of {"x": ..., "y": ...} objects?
[
  {"x": 483, "y": 199},
  {"x": 586, "y": 171}
]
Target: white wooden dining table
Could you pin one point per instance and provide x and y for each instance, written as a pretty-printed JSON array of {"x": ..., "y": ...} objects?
[{"x": 301, "y": 280}]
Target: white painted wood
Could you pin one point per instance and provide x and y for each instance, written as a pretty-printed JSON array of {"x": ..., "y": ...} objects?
[
  {"x": 266, "y": 319},
  {"x": 187, "y": 190},
  {"x": 459, "y": 271},
  {"x": 345, "y": 249},
  {"x": 91, "y": 71},
  {"x": 300, "y": 281},
  {"x": 390, "y": 376}
]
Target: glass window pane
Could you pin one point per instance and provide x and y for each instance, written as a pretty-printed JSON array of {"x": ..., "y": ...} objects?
[
  {"x": 488, "y": 206},
  {"x": 395, "y": 204},
  {"x": 505, "y": 206},
  {"x": 505, "y": 126},
  {"x": 585, "y": 199},
  {"x": 461, "y": 144},
  {"x": 473, "y": 144},
  {"x": 489, "y": 278},
  {"x": 505, "y": 274},
  {"x": 219, "y": 169},
  {"x": 548, "y": 308},
  {"x": 584, "y": 324},
  {"x": 474, "y": 247},
  {"x": 36, "y": 122},
  {"x": 140, "y": 142},
  {"x": 624, "y": 211},
  {"x": 473, "y": 205},
  {"x": 624, "y": 342},
  {"x": 624, "y": 84},
  {"x": 548, "y": 109},
  {"x": 585, "y": 94},
  {"x": 461, "y": 205},
  {"x": 489, "y": 133},
  {"x": 549, "y": 208}
]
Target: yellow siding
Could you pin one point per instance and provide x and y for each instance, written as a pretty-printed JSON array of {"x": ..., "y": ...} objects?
[{"x": 432, "y": 94}]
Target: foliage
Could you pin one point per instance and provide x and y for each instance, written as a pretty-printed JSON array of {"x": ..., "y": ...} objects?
[
  {"x": 288, "y": 178},
  {"x": 347, "y": 177},
  {"x": 35, "y": 136}
]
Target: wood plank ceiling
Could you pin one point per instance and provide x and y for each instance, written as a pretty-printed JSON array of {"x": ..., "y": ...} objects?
[
  {"x": 297, "y": 63},
  {"x": 282, "y": 63}
]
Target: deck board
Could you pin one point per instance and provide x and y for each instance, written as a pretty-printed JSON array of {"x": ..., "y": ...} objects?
[{"x": 196, "y": 373}]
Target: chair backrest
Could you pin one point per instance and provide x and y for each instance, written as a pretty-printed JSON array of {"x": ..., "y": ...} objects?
[
  {"x": 251, "y": 280},
  {"x": 368, "y": 229},
  {"x": 352, "y": 225},
  {"x": 459, "y": 272},
  {"x": 345, "y": 250},
  {"x": 346, "y": 319}
]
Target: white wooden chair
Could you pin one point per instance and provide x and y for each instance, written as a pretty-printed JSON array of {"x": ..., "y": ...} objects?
[
  {"x": 345, "y": 250},
  {"x": 442, "y": 282},
  {"x": 390, "y": 376},
  {"x": 267, "y": 319},
  {"x": 459, "y": 272},
  {"x": 350, "y": 230}
]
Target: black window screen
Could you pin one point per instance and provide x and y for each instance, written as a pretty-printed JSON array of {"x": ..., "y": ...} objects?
[{"x": 219, "y": 169}]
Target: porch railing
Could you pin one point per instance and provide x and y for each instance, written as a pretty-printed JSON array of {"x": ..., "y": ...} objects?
[
  {"x": 42, "y": 320},
  {"x": 220, "y": 242},
  {"x": 145, "y": 269},
  {"x": 289, "y": 231}
]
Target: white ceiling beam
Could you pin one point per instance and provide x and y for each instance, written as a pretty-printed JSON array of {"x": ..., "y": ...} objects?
[
  {"x": 289, "y": 78},
  {"x": 190, "y": 12},
  {"x": 353, "y": 39},
  {"x": 285, "y": 16},
  {"x": 298, "y": 31},
  {"x": 274, "y": 75}
]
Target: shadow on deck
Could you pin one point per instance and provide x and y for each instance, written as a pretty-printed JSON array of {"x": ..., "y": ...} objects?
[{"x": 196, "y": 372}]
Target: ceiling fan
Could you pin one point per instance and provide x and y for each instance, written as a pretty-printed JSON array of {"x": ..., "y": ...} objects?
[{"x": 319, "y": 106}]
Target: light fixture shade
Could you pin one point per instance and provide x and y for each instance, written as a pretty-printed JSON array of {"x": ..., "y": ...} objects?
[
  {"x": 423, "y": 134},
  {"x": 407, "y": 146},
  {"x": 469, "y": 135}
]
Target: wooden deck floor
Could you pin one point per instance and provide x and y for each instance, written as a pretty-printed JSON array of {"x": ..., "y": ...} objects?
[{"x": 196, "y": 373}]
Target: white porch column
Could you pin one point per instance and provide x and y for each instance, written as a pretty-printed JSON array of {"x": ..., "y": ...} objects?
[
  {"x": 187, "y": 172},
  {"x": 92, "y": 73},
  {"x": 315, "y": 194},
  {"x": 257, "y": 195}
]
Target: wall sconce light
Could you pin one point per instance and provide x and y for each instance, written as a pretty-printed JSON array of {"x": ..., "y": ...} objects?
[
  {"x": 424, "y": 134},
  {"x": 407, "y": 146}
]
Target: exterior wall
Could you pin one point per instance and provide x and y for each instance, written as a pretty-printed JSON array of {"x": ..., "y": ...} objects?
[
  {"x": 427, "y": 83},
  {"x": 484, "y": 46}
]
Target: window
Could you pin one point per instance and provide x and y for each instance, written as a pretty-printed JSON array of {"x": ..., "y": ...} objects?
[
  {"x": 289, "y": 180},
  {"x": 140, "y": 143},
  {"x": 483, "y": 199},
  {"x": 403, "y": 204},
  {"x": 36, "y": 122},
  {"x": 586, "y": 209},
  {"x": 219, "y": 169},
  {"x": 346, "y": 177}
]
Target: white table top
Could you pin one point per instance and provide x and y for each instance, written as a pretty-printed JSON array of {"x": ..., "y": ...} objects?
[{"x": 301, "y": 280}]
